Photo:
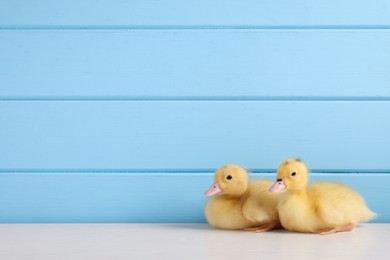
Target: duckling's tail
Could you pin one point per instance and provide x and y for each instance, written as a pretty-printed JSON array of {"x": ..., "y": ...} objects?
[{"x": 368, "y": 215}]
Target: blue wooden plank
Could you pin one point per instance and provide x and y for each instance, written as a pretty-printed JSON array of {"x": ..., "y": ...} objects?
[
  {"x": 190, "y": 64},
  {"x": 127, "y": 197},
  {"x": 160, "y": 135},
  {"x": 109, "y": 13}
]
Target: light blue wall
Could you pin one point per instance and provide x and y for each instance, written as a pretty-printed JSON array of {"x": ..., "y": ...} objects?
[{"x": 120, "y": 111}]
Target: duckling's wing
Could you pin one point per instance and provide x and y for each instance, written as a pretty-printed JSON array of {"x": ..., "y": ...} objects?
[
  {"x": 260, "y": 206},
  {"x": 337, "y": 204}
]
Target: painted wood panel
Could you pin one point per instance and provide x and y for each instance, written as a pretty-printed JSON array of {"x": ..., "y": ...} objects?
[
  {"x": 171, "y": 13},
  {"x": 163, "y": 135},
  {"x": 194, "y": 64},
  {"x": 119, "y": 111},
  {"x": 128, "y": 197}
]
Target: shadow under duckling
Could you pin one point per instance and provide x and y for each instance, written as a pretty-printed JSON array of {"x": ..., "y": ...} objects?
[
  {"x": 241, "y": 204},
  {"x": 322, "y": 208}
]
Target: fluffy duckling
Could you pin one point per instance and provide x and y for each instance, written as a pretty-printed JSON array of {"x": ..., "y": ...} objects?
[
  {"x": 323, "y": 208},
  {"x": 241, "y": 204}
]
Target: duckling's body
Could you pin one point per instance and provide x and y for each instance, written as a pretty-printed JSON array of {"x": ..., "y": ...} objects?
[
  {"x": 241, "y": 205},
  {"x": 319, "y": 208}
]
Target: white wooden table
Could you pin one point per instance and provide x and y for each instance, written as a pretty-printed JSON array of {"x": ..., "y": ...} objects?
[{"x": 185, "y": 241}]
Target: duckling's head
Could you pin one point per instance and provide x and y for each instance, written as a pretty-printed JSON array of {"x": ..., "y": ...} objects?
[
  {"x": 292, "y": 175},
  {"x": 230, "y": 179}
]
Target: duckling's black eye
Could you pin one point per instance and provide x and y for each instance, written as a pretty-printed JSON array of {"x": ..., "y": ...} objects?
[
  {"x": 229, "y": 177},
  {"x": 293, "y": 174}
]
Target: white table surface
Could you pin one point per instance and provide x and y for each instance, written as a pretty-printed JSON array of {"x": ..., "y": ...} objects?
[{"x": 185, "y": 241}]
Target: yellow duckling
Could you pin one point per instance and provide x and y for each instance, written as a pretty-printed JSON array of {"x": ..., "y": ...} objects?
[
  {"x": 323, "y": 208},
  {"x": 240, "y": 204}
]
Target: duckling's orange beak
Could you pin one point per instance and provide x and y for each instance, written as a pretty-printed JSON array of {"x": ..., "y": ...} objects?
[
  {"x": 214, "y": 189},
  {"x": 278, "y": 186}
]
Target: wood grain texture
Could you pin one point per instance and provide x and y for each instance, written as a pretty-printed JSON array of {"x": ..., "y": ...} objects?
[
  {"x": 116, "y": 13},
  {"x": 194, "y": 64},
  {"x": 128, "y": 197},
  {"x": 338, "y": 135}
]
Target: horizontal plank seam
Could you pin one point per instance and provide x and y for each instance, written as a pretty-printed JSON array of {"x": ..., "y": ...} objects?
[
  {"x": 161, "y": 176},
  {"x": 199, "y": 98},
  {"x": 195, "y": 27},
  {"x": 186, "y": 171}
]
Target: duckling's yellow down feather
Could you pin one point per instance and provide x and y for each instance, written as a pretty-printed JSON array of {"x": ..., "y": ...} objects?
[{"x": 240, "y": 204}]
